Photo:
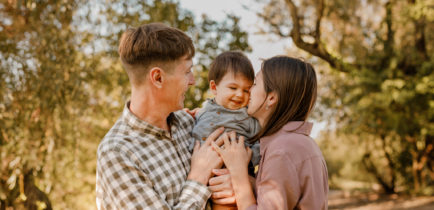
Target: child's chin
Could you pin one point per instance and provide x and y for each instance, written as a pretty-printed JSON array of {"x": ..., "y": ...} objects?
[{"x": 236, "y": 107}]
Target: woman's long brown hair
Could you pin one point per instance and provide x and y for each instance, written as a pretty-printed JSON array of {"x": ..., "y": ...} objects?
[{"x": 294, "y": 82}]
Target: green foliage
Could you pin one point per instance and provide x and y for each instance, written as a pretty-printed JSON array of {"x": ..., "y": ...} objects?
[
  {"x": 379, "y": 90},
  {"x": 62, "y": 87}
]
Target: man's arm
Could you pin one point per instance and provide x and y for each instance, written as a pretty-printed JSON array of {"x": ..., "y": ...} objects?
[{"x": 127, "y": 187}]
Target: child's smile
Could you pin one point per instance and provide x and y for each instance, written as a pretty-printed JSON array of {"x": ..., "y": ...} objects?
[{"x": 232, "y": 92}]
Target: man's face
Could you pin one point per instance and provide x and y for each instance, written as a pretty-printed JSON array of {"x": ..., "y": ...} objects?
[{"x": 177, "y": 83}]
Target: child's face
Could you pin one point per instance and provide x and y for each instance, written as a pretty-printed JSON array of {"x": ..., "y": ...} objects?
[{"x": 232, "y": 92}]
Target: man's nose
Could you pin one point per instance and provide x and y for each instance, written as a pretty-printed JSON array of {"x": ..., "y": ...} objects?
[{"x": 191, "y": 80}]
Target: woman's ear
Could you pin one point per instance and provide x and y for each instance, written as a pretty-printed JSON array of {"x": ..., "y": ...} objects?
[
  {"x": 156, "y": 77},
  {"x": 213, "y": 87},
  {"x": 271, "y": 99}
]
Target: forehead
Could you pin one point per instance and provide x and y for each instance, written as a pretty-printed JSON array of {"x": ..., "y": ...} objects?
[
  {"x": 183, "y": 63},
  {"x": 238, "y": 79}
]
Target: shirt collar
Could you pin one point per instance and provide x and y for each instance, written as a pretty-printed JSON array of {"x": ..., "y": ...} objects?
[
  {"x": 300, "y": 127},
  {"x": 137, "y": 124}
]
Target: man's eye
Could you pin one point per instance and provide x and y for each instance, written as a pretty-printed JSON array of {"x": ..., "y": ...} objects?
[
  {"x": 246, "y": 91},
  {"x": 232, "y": 88}
]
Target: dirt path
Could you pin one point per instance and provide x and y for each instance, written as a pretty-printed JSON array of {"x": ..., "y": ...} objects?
[{"x": 374, "y": 201}]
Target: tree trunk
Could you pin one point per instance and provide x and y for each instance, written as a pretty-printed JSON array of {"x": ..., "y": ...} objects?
[
  {"x": 389, "y": 188},
  {"x": 31, "y": 197}
]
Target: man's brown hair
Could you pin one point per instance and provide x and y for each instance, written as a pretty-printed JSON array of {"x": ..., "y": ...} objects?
[
  {"x": 232, "y": 61},
  {"x": 153, "y": 43},
  {"x": 294, "y": 82}
]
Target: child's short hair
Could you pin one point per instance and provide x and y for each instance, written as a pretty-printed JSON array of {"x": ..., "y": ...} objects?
[{"x": 231, "y": 61}]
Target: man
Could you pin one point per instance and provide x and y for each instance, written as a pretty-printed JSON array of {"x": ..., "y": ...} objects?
[{"x": 143, "y": 161}]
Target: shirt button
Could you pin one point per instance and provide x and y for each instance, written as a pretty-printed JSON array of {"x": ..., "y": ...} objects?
[
  {"x": 212, "y": 124},
  {"x": 218, "y": 112},
  {"x": 204, "y": 138}
]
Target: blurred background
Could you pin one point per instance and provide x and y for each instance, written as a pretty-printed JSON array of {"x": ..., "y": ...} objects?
[{"x": 62, "y": 87}]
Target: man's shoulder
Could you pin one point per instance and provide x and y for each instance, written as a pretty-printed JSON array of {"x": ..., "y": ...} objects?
[
  {"x": 114, "y": 142},
  {"x": 184, "y": 119},
  {"x": 116, "y": 139}
]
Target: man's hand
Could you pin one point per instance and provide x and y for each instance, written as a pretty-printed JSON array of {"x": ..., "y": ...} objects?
[
  {"x": 204, "y": 158},
  {"x": 221, "y": 187}
]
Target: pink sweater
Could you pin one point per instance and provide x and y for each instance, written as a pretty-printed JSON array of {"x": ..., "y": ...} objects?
[{"x": 292, "y": 171}]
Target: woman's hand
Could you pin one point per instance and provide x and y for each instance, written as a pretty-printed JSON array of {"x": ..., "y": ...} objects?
[
  {"x": 236, "y": 158},
  {"x": 234, "y": 154}
]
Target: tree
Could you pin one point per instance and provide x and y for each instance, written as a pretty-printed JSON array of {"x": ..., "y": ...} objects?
[
  {"x": 62, "y": 87},
  {"x": 381, "y": 86}
]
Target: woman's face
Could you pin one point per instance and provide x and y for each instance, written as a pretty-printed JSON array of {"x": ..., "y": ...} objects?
[{"x": 256, "y": 107}]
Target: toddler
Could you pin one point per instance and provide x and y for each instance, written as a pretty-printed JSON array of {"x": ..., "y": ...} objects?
[{"x": 230, "y": 77}]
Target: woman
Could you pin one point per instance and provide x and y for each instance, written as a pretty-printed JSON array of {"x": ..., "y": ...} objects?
[{"x": 292, "y": 172}]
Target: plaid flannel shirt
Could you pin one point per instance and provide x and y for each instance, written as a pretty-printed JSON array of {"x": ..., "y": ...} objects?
[{"x": 141, "y": 166}]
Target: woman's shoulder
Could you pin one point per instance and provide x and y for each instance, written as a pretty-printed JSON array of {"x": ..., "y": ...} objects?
[
  {"x": 289, "y": 141},
  {"x": 295, "y": 146}
]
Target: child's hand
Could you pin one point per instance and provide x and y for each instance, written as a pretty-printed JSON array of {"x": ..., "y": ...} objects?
[
  {"x": 192, "y": 112},
  {"x": 234, "y": 154}
]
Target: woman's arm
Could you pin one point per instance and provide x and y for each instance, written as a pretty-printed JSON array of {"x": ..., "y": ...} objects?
[{"x": 236, "y": 158}]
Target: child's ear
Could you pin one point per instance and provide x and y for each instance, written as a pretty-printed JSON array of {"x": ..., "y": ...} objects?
[{"x": 213, "y": 87}]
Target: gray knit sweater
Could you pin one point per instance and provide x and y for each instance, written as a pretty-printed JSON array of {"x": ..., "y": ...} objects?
[{"x": 213, "y": 116}]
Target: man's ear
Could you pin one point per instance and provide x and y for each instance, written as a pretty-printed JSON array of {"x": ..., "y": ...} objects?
[
  {"x": 213, "y": 87},
  {"x": 271, "y": 99},
  {"x": 156, "y": 76}
]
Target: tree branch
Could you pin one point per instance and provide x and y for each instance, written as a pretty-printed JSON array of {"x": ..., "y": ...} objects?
[
  {"x": 320, "y": 13},
  {"x": 316, "y": 48},
  {"x": 388, "y": 44},
  {"x": 274, "y": 26}
]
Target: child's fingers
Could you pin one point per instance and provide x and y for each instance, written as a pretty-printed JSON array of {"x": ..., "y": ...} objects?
[{"x": 195, "y": 110}]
